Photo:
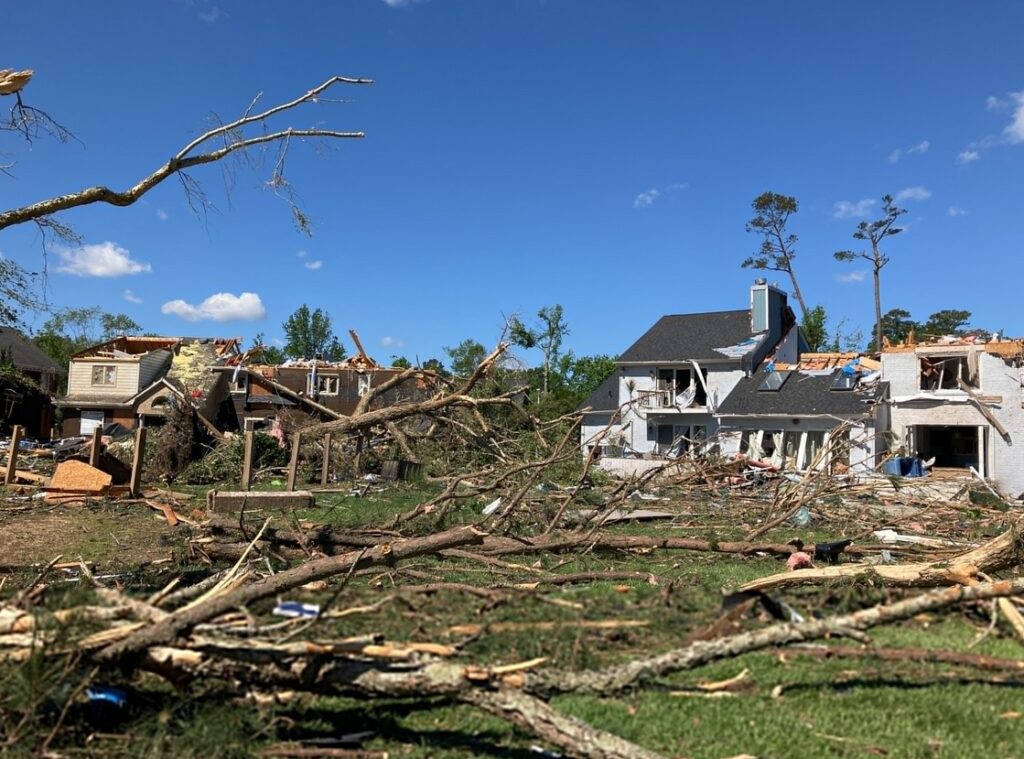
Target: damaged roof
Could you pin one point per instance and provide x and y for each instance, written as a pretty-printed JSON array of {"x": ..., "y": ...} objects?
[
  {"x": 802, "y": 394},
  {"x": 682, "y": 337},
  {"x": 132, "y": 346}
]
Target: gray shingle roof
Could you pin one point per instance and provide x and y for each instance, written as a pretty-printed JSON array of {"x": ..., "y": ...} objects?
[
  {"x": 801, "y": 395},
  {"x": 25, "y": 354},
  {"x": 680, "y": 337},
  {"x": 605, "y": 397}
]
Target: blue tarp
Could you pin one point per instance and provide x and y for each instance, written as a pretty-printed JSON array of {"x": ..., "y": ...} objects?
[{"x": 904, "y": 466}]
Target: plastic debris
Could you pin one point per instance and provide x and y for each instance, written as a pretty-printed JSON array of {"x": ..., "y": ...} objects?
[
  {"x": 492, "y": 506},
  {"x": 297, "y": 609}
]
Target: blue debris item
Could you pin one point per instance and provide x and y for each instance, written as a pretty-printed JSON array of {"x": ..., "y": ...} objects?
[
  {"x": 769, "y": 367},
  {"x": 802, "y": 518},
  {"x": 106, "y": 694},
  {"x": 904, "y": 466},
  {"x": 296, "y": 609},
  {"x": 850, "y": 368}
]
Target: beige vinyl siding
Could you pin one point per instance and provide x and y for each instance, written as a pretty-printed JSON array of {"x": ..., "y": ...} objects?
[{"x": 80, "y": 379}]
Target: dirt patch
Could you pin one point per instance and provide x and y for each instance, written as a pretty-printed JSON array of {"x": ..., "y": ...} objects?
[{"x": 111, "y": 534}]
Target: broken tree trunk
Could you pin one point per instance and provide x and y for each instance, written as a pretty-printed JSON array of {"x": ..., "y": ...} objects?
[
  {"x": 997, "y": 554},
  {"x": 181, "y": 621}
]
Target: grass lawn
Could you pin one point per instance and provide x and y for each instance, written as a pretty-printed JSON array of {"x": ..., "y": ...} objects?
[{"x": 794, "y": 705}]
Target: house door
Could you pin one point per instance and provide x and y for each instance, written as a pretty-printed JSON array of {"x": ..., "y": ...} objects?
[{"x": 90, "y": 420}]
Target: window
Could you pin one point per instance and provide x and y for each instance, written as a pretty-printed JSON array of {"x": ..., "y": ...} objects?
[
  {"x": 844, "y": 381},
  {"x": 774, "y": 381},
  {"x": 240, "y": 382},
  {"x": 946, "y": 372},
  {"x": 326, "y": 384},
  {"x": 364, "y": 385},
  {"x": 104, "y": 375}
]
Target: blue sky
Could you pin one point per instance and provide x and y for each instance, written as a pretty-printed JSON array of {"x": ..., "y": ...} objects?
[{"x": 602, "y": 155}]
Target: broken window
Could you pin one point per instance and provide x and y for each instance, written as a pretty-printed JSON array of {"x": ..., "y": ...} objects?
[
  {"x": 844, "y": 381},
  {"x": 240, "y": 383},
  {"x": 104, "y": 375},
  {"x": 326, "y": 384},
  {"x": 774, "y": 381},
  {"x": 364, "y": 385},
  {"x": 946, "y": 372},
  {"x": 682, "y": 387}
]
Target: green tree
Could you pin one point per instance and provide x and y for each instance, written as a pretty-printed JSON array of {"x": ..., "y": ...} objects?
[
  {"x": 465, "y": 357},
  {"x": 583, "y": 374},
  {"x": 875, "y": 232},
  {"x": 401, "y": 362},
  {"x": 309, "y": 334},
  {"x": 547, "y": 336},
  {"x": 778, "y": 244},
  {"x": 815, "y": 329},
  {"x": 949, "y": 321},
  {"x": 115, "y": 325},
  {"x": 269, "y": 354},
  {"x": 435, "y": 365},
  {"x": 16, "y": 288}
]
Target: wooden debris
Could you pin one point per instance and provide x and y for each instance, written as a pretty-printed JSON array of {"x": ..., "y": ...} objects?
[
  {"x": 233, "y": 502},
  {"x": 79, "y": 477}
]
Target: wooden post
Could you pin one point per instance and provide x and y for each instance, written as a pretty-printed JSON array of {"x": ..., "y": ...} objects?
[
  {"x": 137, "y": 458},
  {"x": 12, "y": 455},
  {"x": 247, "y": 459},
  {"x": 293, "y": 465},
  {"x": 325, "y": 470},
  {"x": 94, "y": 448}
]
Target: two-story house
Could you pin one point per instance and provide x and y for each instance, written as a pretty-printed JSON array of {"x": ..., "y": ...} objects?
[
  {"x": 670, "y": 382},
  {"x": 29, "y": 405},
  {"x": 959, "y": 401},
  {"x": 126, "y": 379}
]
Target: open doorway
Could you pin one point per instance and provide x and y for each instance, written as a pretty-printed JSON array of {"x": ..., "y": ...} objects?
[{"x": 950, "y": 446}]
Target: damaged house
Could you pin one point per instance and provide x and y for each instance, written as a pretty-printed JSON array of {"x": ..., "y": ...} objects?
[
  {"x": 670, "y": 383},
  {"x": 128, "y": 380},
  {"x": 960, "y": 402},
  {"x": 825, "y": 411}
]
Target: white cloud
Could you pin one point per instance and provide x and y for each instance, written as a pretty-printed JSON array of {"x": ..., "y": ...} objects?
[
  {"x": 853, "y": 277},
  {"x": 913, "y": 193},
  {"x": 107, "y": 259},
  {"x": 400, "y": 3},
  {"x": 967, "y": 156},
  {"x": 645, "y": 199},
  {"x": 313, "y": 265},
  {"x": 898, "y": 153},
  {"x": 992, "y": 103},
  {"x": 956, "y": 211},
  {"x": 219, "y": 307},
  {"x": 302, "y": 254},
  {"x": 211, "y": 14},
  {"x": 162, "y": 214},
  {"x": 1014, "y": 131},
  {"x": 844, "y": 209},
  {"x": 392, "y": 342},
  {"x": 131, "y": 297}
]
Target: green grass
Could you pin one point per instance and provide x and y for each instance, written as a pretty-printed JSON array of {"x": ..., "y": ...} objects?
[{"x": 830, "y": 708}]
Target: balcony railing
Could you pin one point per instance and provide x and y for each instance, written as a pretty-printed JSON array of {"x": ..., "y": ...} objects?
[{"x": 665, "y": 396}]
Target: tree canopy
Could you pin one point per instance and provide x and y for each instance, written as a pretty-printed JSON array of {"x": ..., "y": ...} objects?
[
  {"x": 778, "y": 244},
  {"x": 309, "y": 334}
]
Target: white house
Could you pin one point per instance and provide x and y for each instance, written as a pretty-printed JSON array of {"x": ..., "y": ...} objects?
[
  {"x": 670, "y": 382},
  {"x": 959, "y": 401}
]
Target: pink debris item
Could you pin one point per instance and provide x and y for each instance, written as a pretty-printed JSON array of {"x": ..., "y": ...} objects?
[{"x": 799, "y": 560}]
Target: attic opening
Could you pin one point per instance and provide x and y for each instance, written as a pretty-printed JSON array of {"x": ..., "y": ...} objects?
[{"x": 945, "y": 372}]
